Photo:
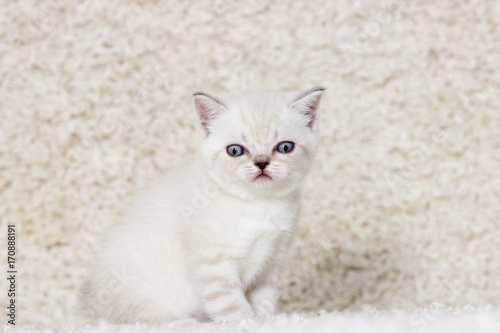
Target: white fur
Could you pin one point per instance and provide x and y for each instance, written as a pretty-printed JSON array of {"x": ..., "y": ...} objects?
[{"x": 208, "y": 241}]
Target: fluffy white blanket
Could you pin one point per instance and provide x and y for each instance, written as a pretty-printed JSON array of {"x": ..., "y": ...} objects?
[{"x": 435, "y": 319}]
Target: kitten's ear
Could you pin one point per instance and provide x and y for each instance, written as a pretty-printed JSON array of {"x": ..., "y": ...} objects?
[
  {"x": 208, "y": 108},
  {"x": 307, "y": 103}
]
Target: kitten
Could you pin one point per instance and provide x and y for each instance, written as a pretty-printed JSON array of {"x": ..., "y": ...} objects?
[{"x": 207, "y": 241}]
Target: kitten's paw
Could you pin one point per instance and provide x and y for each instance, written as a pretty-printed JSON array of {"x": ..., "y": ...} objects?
[{"x": 265, "y": 309}]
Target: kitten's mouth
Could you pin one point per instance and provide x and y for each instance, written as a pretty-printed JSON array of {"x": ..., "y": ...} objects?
[{"x": 262, "y": 178}]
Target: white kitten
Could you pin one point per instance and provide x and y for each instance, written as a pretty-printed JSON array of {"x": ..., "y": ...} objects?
[{"x": 208, "y": 240}]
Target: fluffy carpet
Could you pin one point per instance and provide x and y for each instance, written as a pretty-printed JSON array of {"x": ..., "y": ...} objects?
[
  {"x": 436, "y": 319},
  {"x": 400, "y": 210}
]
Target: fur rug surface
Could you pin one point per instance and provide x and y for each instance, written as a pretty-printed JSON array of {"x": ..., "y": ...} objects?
[
  {"x": 435, "y": 319},
  {"x": 401, "y": 210}
]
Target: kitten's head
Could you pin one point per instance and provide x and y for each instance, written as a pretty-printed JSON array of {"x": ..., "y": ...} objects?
[{"x": 259, "y": 143}]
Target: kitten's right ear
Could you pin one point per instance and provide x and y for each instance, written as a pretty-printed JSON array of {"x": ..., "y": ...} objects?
[{"x": 208, "y": 108}]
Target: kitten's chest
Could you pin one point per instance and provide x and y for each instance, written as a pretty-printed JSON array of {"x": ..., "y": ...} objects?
[
  {"x": 257, "y": 234},
  {"x": 247, "y": 223},
  {"x": 262, "y": 253}
]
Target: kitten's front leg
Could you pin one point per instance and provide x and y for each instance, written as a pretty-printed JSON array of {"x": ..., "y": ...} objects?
[
  {"x": 264, "y": 296},
  {"x": 222, "y": 291}
]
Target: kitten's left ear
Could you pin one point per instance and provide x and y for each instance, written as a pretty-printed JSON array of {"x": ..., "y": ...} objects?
[
  {"x": 208, "y": 108},
  {"x": 307, "y": 103}
]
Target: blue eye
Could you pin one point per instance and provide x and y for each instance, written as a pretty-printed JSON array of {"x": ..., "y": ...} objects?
[
  {"x": 235, "y": 150},
  {"x": 285, "y": 147}
]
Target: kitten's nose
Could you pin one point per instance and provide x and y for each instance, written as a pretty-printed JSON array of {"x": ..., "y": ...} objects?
[{"x": 262, "y": 164}]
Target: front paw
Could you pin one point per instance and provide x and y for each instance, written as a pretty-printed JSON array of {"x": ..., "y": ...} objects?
[{"x": 265, "y": 308}]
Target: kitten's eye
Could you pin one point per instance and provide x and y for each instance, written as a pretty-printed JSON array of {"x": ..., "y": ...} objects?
[
  {"x": 235, "y": 150},
  {"x": 285, "y": 147}
]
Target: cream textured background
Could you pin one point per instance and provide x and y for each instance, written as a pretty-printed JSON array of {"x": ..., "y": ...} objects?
[{"x": 402, "y": 206}]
